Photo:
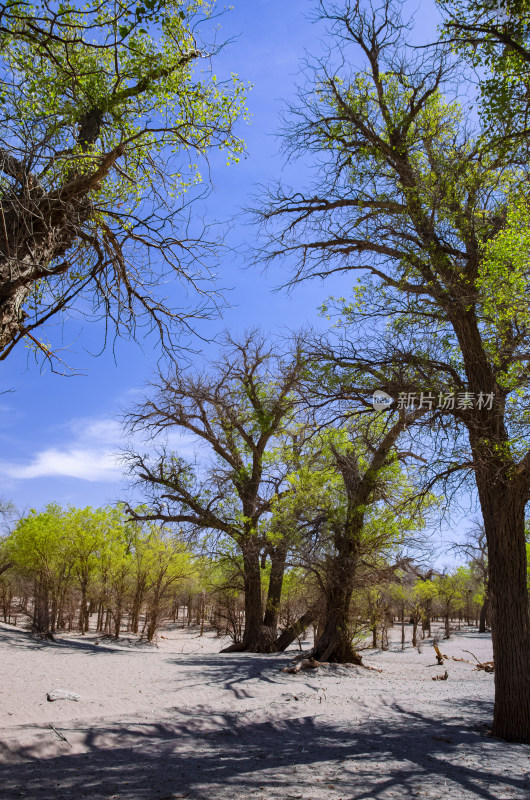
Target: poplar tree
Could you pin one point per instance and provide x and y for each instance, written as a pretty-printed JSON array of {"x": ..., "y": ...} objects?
[{"x": 429, "y": 214}]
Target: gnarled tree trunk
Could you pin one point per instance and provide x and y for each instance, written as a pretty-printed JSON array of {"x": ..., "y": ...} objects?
[{"x": 334, "y": 643}]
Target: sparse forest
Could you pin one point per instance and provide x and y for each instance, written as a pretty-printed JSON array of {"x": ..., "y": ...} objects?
[{"x": 332, "y": 512}]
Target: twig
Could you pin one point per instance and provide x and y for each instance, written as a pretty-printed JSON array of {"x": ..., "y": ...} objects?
[
  {"x": 487, "y": 666},
  {"x": 59, "y": 734},
  {"x": 472, "y": 654}
]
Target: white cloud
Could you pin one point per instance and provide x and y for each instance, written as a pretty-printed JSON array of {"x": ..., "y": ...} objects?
[
  {"x": 85, "y": 464},
  {"x": 93, "y": 454}
]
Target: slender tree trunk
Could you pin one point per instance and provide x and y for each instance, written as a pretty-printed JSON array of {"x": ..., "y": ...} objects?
[
  {"x": 272, "y": 608},
  {"x": 53, "y": 613},
  {"x": 136, "y": 607},
  {"x": 83, "y": 616},
  {"x": 117, "y": 619},
  {"x": 414, "y": 630},
  {"x": 288, "y": 636},
  {"x": 99, "y": 621},
  {"x": 483, "y": 613},
  {"x": 41, "y": 608}
]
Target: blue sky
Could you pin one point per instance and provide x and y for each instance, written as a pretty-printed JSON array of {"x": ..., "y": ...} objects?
[{"x": 59, "y": 436}]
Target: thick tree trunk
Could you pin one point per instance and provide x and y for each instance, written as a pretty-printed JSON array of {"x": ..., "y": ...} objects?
[
  {"x": 334, "y": 643},
  {"x": 503, "y": 515},
  {"x": 153, "y": 621},
  {"x": 257, "y": 638},
  {"x": 503, "y": 491}
]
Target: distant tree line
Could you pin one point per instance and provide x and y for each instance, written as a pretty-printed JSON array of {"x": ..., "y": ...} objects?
[{"x": 95, "y": 570}]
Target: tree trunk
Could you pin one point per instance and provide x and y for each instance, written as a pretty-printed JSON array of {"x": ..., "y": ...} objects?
[
  {"x": 484, "y": 613},
  {"x": 414, "y": 631},
  {"x": 503, "y": 514},
  {"x": 41, "y": 608},
  {"x": 83, "y": 611},
  {"x": 136, "y": 607},
  {"x": 117, "y": 620},
  {"x": 154, "y": 613},
  {"x": 288, "y": 636},
  {"x": 502, "y": 487},
  {"x": 257, "y": 638},
  {"x": 334, "y": 643},
  {"x": 278, "y": 557}
]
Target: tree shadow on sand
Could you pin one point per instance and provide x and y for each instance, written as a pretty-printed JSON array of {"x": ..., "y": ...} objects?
[
  {"x": 26, "y": 640},
  {"x": 217, "y": 756}
]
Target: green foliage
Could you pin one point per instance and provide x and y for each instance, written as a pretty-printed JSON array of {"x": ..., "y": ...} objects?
[
  {"x": 105, "y": 557},
  {"x": 494, "y": 37}
]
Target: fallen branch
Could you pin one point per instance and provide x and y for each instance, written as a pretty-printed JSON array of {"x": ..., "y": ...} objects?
[
  {"x": 311, "y": 663},
  {"x": 288, "y": 636},
  {"x": 365, "y": 666},
  {"x": 306, "y": 663},
  {"x": 486, "y": 666},
  {"x": 293, "y": 669}
]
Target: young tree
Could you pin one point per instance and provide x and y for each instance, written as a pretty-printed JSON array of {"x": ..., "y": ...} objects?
[
  {"x": 86, "y": 532},
  {"x": 37, "y": 548},
  {"x": 104, "y": 110},
  {"x": 168, "y": 563},
  {"x": 411, "y": 197},
  {"x": 239, "y": 410},
  {"x": 476, "y": 551},
  {"x": 448, "y": 589}
]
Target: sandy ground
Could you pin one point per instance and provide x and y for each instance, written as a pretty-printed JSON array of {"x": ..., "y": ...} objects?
[{"x": 182, "y": 720}]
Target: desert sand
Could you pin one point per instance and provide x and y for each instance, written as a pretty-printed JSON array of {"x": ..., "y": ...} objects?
[{"x": 182, "y": 720}]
